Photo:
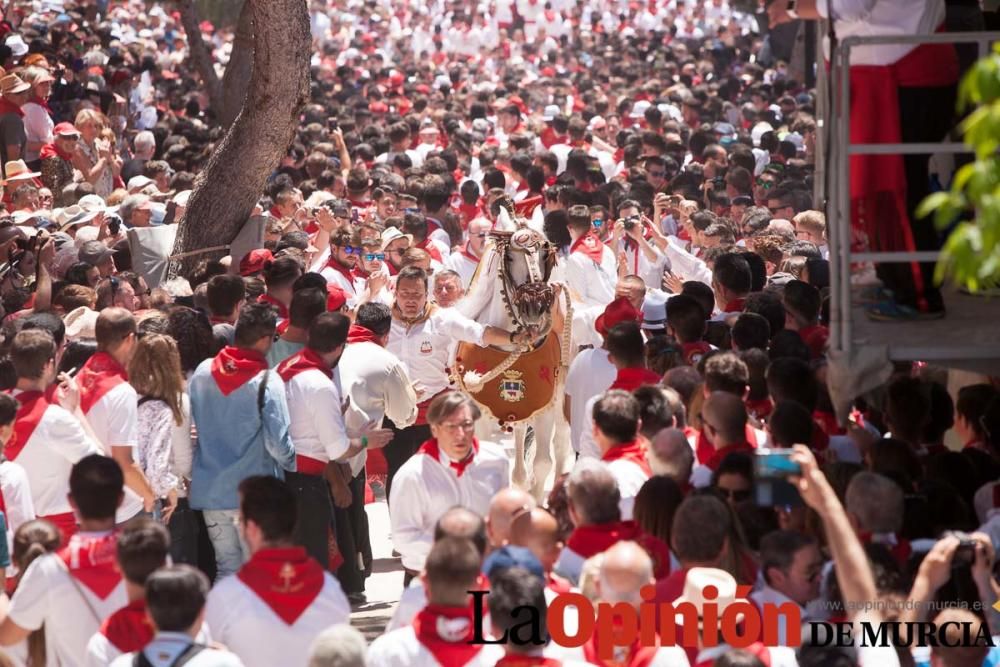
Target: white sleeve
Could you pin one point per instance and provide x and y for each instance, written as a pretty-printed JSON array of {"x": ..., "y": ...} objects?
[
  {"x": 411, "y": 533},
  {"x": 67, "y": 435},
  {"x": 122, "y": 417},
  {"x": 30, "y": 605},
  {"x": 100, "y": 652},
  {"x": 217, "y": 610},
  {"x": 16, "y": 496},
  {"x": 460, "y": 327},
  {"x": 328, "y": 420},
  {"x": 686, "y": 265}
]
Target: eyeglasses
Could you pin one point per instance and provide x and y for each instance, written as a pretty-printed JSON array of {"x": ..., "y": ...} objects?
[
  {"x": 736, "y": 495},
  {"x": 775, "y": 209},
  {"x": 767, "y": 185},
  {"x": 351, "y": 250},
  {"x": 374, "y": 255},
  {"x": 455, "y": 427}
]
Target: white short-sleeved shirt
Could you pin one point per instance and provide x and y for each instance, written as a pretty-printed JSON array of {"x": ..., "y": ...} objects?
[
  {"x": 17, "y": 499},
  {"x": 48, "y": 594},
  {"x": 317, "y": 425},
  {"x": 344, "y": 282},
  {"x": 424, "y": 349},
  {"x": 465, "y": 267},
  {"x": 57, "y": 443},
  {"x": 114, "y": 420},
  {"x": 101, "y": 652},
  {"x": 164, "y": 650},
  {"x": 244, "y": 623},
  {"x": 590, "y": 374},
  {"x": 401, "y": 648},
  {"x": 630, "y": 477},
  {"x": 590, "y": 283}
]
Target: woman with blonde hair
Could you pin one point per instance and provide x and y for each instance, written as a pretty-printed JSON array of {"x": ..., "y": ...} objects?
[
  {"x": 96, "y": 158},
  {"x": 38, "y": 123}
]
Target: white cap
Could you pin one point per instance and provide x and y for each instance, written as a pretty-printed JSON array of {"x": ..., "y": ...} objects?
[
  {"x": 639, "y": 109},
  {"x": 17, "y": 45},
  {"x": 550, "y": 112},
  {"x": 758, "y": 131},
  {"x": 137, "y": 183}
]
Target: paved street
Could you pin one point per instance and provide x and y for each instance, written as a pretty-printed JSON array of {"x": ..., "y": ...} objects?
[{"x": 386, "y": 581}]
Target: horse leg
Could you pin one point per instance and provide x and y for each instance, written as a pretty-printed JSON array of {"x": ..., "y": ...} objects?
[
  {"x": 562, "y": 448},
  {"x": 519, "y": 476},
  {"x": 544, "y": 425}
]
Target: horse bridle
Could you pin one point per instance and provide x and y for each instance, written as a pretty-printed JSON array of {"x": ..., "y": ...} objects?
[{"x": 536, "y": 293}]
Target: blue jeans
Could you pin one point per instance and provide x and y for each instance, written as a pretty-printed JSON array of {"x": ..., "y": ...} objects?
[{"x": 230, "y": 552}]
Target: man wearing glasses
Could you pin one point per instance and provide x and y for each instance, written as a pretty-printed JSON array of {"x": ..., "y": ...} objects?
[
  {"x": 465, "y": 261},
  {"x": 451, "y": 468},
  {"x": 345, "y": 252}
]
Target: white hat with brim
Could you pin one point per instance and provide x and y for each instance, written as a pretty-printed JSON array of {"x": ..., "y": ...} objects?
[
  {"x": 81, "y": 323},
  {"x": 695, "y": 583},
  {"x": 391, "y": 234}
]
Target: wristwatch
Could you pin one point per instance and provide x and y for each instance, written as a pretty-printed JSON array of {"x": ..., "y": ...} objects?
[{"x": 791, "y": 8}]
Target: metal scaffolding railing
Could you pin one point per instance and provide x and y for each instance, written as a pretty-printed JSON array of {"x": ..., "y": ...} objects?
[{"x": 838, "y": 197}]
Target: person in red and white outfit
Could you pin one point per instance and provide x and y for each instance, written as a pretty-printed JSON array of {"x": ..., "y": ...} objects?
[
  {"x": 441, "y": 631},
  {"x": 15, "y": 493},
  {"x": 269, "y": 612},
  {"x": 631, "y": 235},
  {"x": 465, "y": 260},
  {"x": 724, "y": 426},
  {"x": 421, "y": 337},
  {"x": 616, "y": 431},
  {"x": 74, "y": 589},
  {"x": 591, "y": 268},
  {"x": 280, "y": 275},
  {"x": 451, "y": 468},
  {"x": 48, "y": 438},
  {"x": 345, "y": 252}
]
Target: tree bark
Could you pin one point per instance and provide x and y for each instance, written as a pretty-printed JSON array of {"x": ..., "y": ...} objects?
[
  {"x": 227, "y": 190},
  {"x": 201, "y": 57},
  {"x": 236, "y": 79}
]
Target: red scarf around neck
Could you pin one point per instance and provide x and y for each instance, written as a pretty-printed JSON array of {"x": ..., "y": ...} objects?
[
  {"x": 511, "y": 660},
  {"x": 98, "y": 376},
  {"x": 303, "y": 360},
  {"x": 629, "y": 451},
  {"x": 590, "y": 540},
  {"x": 760, "y": 409},
  {"x": 590, "y": 246},
  {"x": 92, "y": 561},
  {"x": 360, "y": 334},
  {"x": 33, "y": 405},
  {"x": 635, "y": 655},
  {"x": 715, "y": 461},
  {"x": 693, "y": 352},
  {"x": 430, "y": 248},
  {"x": 6, "y": 106},
  {"x": 129, "y": 629},
  {"x": 736, "y": 305},
  {"x": 53, "y": 150},
  {"x": 466, "y": 253},
  {"x": 705, "y": 450},
  {"x": 282, "y": 308},
  {"x": 631, "y": 379},
  {"x": 287, "y": 580},
  {"x": 431, "y": 449},
  {"x": 340, "y": 268},
  {"x": 233, "y": 367},
  {"x": 446, "y": 632}
]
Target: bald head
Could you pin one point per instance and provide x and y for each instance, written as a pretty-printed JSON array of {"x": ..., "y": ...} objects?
[
  {"x": 537, "y": 531},
  {"x": 480, "y": 225},
  {"x": 625, "y": 569},
  {"x": 462, "y": 523},
  {"x": 504, "y": 507},
  {"x": 669, "y": 454},
  {"x": 725, "y": 418}
]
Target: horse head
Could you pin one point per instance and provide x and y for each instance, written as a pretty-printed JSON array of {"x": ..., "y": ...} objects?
[{"x": 526, "y": 262}]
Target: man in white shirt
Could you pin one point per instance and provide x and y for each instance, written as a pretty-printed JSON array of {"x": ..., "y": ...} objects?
[
  {"x": 452, "y": 468},
  {"x": 176, "y": 599},
  {"x": 111, "y": 404},
  {"x": 465, "y": 260},
  {"x": 616, "y": 432},
  {"x": 591, "y": 269},
  {"x": 339, "y": 269},
  {"x": 791, "y": 569},
  {"x": 379, "y": 389},
  {"x": 75, "y": 588},
  {"x": 269, "y": 612},
  {"x": 629, "y": 236},
  {"x": 48, "y": 439},
  {"x": 421, "y": 336}
]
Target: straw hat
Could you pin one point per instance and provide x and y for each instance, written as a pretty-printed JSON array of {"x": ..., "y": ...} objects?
[{"x": 16, "y": 170}]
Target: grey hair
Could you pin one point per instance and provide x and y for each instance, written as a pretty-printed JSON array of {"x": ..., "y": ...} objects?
[
  {"x": 448, "y": 404},
  {"x": 338, "y": 646},
  {"x": 593, "y": 492},
  {"x": 128, "y": 206},
  {"x": 145, "y": 141},
  {"x": 876, "y": 501}
]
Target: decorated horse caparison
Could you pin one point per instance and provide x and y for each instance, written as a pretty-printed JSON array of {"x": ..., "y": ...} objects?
[{"x": 520, "y": 386}]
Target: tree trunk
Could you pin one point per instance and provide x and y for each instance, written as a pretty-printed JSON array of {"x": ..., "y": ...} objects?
[
  {"x": 236, "y": 79},
  {"x": 227, "y": 190},
  {"x": 201, "y": 57}
]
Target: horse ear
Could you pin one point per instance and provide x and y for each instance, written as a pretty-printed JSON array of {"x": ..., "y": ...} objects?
[{"x": 504, "y": 222}]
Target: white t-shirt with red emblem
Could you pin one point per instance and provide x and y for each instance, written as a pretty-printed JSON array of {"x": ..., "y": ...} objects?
[{"x": 424, "y": 348}]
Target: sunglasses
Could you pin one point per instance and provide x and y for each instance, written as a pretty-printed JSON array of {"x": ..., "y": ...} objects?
[
  {"x": 374, "y": 255},
  {"x": 775, "y": 209},
  {"x": 735, "y": 494},
  {"x": 767, "y": 185},
  {"x": 352, "y": 250}
]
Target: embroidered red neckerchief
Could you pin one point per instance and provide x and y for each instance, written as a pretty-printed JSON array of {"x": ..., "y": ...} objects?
[
  {"x": 360, "y": 334},
  {"x": 92, "y": 561},
  {"x": 526, "y": 207},
  {"x": 735, "y": 306},
  {"x": 303, "y": 360},
  {"x": 129, "y": 629},
  {"x": 705, "y": 450},
  {"x": 693, "y": 352},
  {"x": 98, "y": 376},
  {"x": 590, "y": 540},
  {"x": 716, "y": 459},
  {"x": 233, "y": 367},
  {"x": 430, "y": 248},
  {"x": 33, "y": 405},
  {"x": 446, "y": 632},
  {"x": 631, "y": 379},
  {"x": 287, "y": 580},
  {"x": 634, "y": 655},
  {"x": 629, "y": 451},
  {"x": 590, "y": 246},
  {"x": 431, "y": 449},
  {"x": 268, "y": 299}
]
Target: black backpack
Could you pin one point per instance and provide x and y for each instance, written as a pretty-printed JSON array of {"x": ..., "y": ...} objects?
[{"x": 186, "y": 656}]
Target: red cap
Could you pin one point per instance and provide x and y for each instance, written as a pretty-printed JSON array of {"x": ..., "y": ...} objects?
[
  {"x": 396, "y": 79},
  {"x": 378, "y": 107},
  {"x": 618, "y": 311},
  {"x": 254, "y": 261},
  {"x": 519, "y": 103},
  {"x": 335, "y": 298},
  {"x": 423, "y": 89},
  {"x": 65, "y": 130},
  {"x": 206, "y": 26},
  {"x": 548, "y": 72}
]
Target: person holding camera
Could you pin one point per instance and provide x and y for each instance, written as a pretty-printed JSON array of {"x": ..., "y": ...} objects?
[{"x": 631, "y": 240}]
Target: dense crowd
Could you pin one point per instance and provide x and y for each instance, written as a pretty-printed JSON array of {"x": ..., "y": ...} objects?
[{"x": 186, "y": 461}]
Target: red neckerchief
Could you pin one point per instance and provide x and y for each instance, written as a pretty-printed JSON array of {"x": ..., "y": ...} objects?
[
  {"x": 431, "y": 449},
  {"x": 705, "y": 450},
  {"x": 446, "y": 632},
  {"x": 7, "y": 107},
  {"x": 716, "y": 459},
  {"x": 233, "y": 367},
  {"x": 900, "y": 551},
  {"x": 433, "y": 221},
  {"x": 511, "y": 660},
  {"x": 466, "y": 253},
  {"x": 275, "y": 212},
  {"x": 526, "y": 207},
  {"x": 282, "y": 308},
  {"x": 760, "y": 408},
  {"x": 215, "y": 319},
  {"x": 129, "y": 629},
  {"x": 634, "y": 655},
  {"x": 52, "y": 150},
  {"x": 303, "y": 360},
  {"x": 430, "y": 248},
  {"x": 590, "y": 246},
  {"x": 828, "y": 422},
  {"x": 590, "y": 540},
  {"x": 33, "y": 405},
  {"x": 42, "y": 103},
  {"x": 92, "y": 562},
  {"x": 340, "y": 268},
  {"x": 358, "y": 272},
  {"x": 98, "y": 376},
  {"x": 693, "y": 352},
  {"x": 470, "y": 212},
  {"x": 286, "y": 579},
  {"x": 735, "y": 306},
  {"x": 631, "y": 379},
  {"x": 629, "y": 451},
  {"x": 360, "y": 334},
  {"x": 815, "y": 337}
]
